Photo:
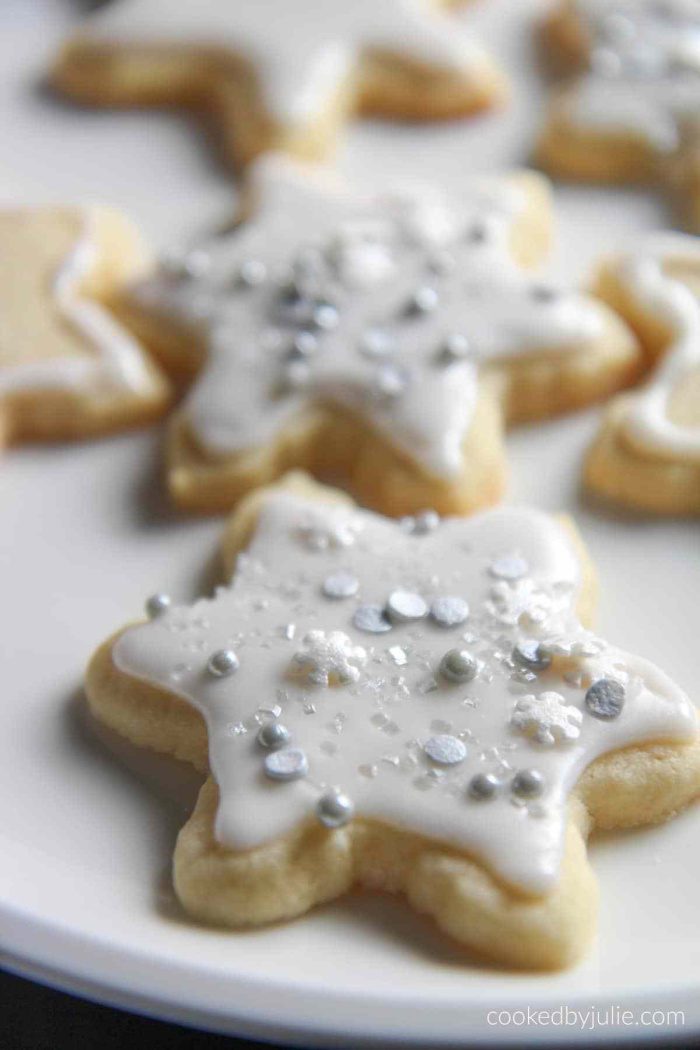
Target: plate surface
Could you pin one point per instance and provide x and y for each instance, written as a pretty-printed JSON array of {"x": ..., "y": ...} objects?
[{"x": 85, "y": 840}]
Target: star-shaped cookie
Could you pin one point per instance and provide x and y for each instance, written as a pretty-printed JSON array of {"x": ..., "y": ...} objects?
[
  {"x": 414, "y": 707},
  {"x": 67, "y": 367},
  {"x": 633, "y": 111},
  {"x": 280, "y": 74},
  {"x": 647, "y": 454},
  {"x": 379, "y": 338}
]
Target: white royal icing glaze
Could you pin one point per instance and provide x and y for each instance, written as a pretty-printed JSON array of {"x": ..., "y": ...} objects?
[
  {"x": 645, "y": 69},
  {"x": 643, "y": 272},
  {"x": 367, "y": 256},
  {"x": 117, "y": 361},
  {"x": 369, "y": 731},
  {"x": 302, "y": 51}
]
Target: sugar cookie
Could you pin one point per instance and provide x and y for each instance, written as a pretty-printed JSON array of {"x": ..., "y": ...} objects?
[
  {"x": 634, "y": 112},
  {"x": 411, "y": 706},
  {"x": 647, "y": 454},
  {"x": 380, "y": 339},
  {"x": 281, "y": 74},
  {"x": 67, "y": 368}
]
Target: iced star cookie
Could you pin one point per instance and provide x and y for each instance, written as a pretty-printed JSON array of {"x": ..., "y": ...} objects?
[
  {"x": 633, "y": 112},
  {"x": 67, "y": 367},
  {"x": 413, "y": 707},
  {"x": 381, "y": 339},
  {"x": 280, "y": 74},
  {"x": 647, "y": 454}
]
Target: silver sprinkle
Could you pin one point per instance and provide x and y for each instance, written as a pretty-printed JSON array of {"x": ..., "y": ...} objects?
[
  {"x": 326, "y": 316},
  {"x": 305, "y": 344},
  {"x": 508, "y": 567},
  {"x": 371, "y": 618},
  {"x": 424, "y": 522},
  {"x": 391, "y": 381},
  {"x": 531, "y": 655},
  {"x": 605, "y": 699},
  {"x": 405, "y": 607},
  {"x": 455, "y": 348},
  {"x": 449, "y": 611},
  {"x": 544, "y": 293},
  {"x": 340, "y": 585},
  {"x": 290, "y": 763},
  {"x": 334, "y": 809},
  {"x": 445, "y": 749},
  {"x": 196, "y": 263},
  {"x": 424, "y": 300},
  {"x": 483, "y": 786},
  {"x": 458, "y": 665},
  {"x": 527, "y": 783},
  {"x": 157, "y": 604},
  {"x": 252, "y": 273},
  {"x": 376, "y": 343},
  {"x": 273, "y": 736},
  {"x": 222, "y": 663}
]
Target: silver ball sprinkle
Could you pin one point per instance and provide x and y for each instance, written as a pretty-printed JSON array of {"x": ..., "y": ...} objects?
[
  {"x": 290, "y": 763},
  {"x": 605, "y": 699},
  {"x": 334, "y": 809},
  {"x": 391, "y": 380},
  {"x": 340, "y": 585},
  {"x": 445, "y": 750},
  {"x": 531, "y": 655},
  {"x": 508, "y": 567},
  {"x": 405, "y": 607},
  {"x": 372, "y": 619},
  {"x": 326, "y": 316},
  {"x": 483, "y": 786},
  {"x": 252, "y": 273},
  {"x": 449, "y": 611},
  {"x": 424, "y": 522},
  {"x": 376, "y": 343},
  {"x": 458, "y": 665},
  {"x": 305, "y": 344},
  {"x": 196, "y": 262},
  {"x": 527, "y": 783},
  {"x": 157, "y": 604},
  {"x": 273, "y": 735},
  {"x": 222, "y": 663},
  {"x": 455, "y": 348},
  {"x": 424, "y": 300}
]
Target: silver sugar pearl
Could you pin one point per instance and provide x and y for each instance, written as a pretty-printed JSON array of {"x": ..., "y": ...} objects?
[
  {"x": 508, "y": 567},
  {"x": 445, "y": 749},
  {"x": 455, "y": 348},
  {"x": 196, "y": 262},
  {"x": 334, "y": 809},
  {"x": 290, "y": 763},
  {"x": 483, "y": 786},
  {"x": 252, "y": 273},
  {"x": 605, "y": 699},
  {"x": 157, "y": 604},
  {"x": 376, "y": 343},
  {"x": 273, "y": 735},
  {"x": 391, "y": 380},
  {"x": 424, "y": 522},
  {"x": 340, "y": 585},
  {"x": 326, "y": 316},
  {"x": 458, "y": 665},
  {"x": 527, "y": 783},
  {"x": 531, "y": 655},
  {"x": 222, "y": 663},
  {"x": 305, "y": 344},
  {"x": 424, "y": 300},
  {"x": 449, "y": 611},
  {"x": 372, "y": 619},
  {"x": 405, "y": 607}
]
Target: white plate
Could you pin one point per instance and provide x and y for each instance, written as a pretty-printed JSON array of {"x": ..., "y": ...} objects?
[{"x": 86, "y": 840}]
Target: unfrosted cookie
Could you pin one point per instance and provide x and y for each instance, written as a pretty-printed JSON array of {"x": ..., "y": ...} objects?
[
  {"x": 633, "y": 113},
  {"x": 381, "y": 339},
  {"x": 647, "y": 454},
  {"x": 414, "y": 707},
  {"x": 67, "y": 367},
  {"x": 280, "y": 74}
]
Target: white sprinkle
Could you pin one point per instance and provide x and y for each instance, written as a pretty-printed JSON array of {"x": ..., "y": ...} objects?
[
  {"x": 445, "y": 749},
  {"x": 288, "y": 764},
  {"x": 371, "y": 618},
  {"x": 449, "y": 611},
  {"x": 340, "y": 585},
  {"x": 398, "y": 655},
  {"x": 405, "y": 607},
  {"x": 508, "y": 567}
]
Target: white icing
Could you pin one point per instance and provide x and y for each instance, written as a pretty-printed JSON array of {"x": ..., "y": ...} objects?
[
  {"x": 646, "y": 421},
  {"x": 310, "y": 229},
  {"x": 365, "y": 734},
  {"x": 645, "y": 69},
  {"x": 302, "y": 51},
  {"x": 117, "y": 361}
]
